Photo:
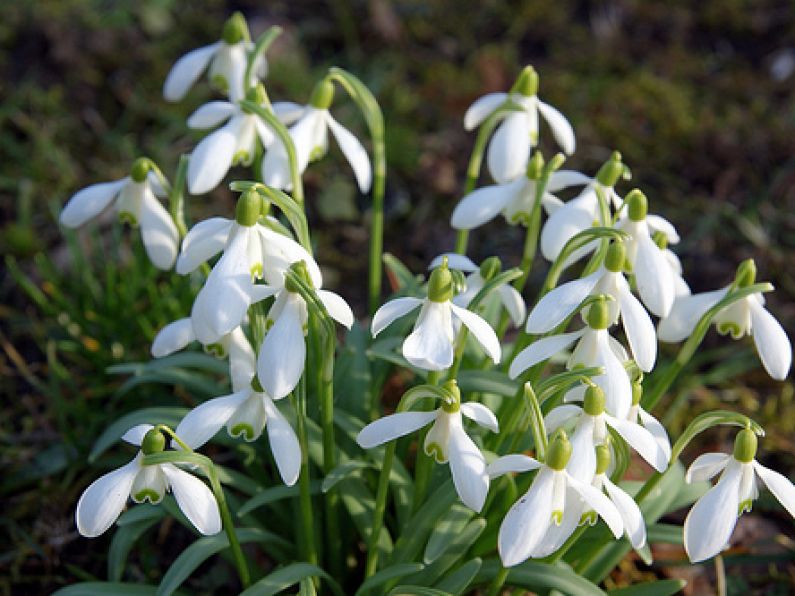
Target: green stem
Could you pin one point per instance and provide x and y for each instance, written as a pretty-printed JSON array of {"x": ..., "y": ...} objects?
[
  {"x": 264, "y": 42},
  {"x": 229, "y": 527},
  {"x": 304, "y": 480},
  {"x": 380, "y": 508},
  {"x": 423, "y": 468},
  {"x": 377, "y": 225},
  {"x": 498, "y": 582}
]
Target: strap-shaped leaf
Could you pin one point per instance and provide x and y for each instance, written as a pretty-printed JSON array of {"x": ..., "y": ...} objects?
[
  {"x": 706, "y": 421},
  {"x": 536, "y": 576},
  {"x": 343, "y": 471},
  {"x": 106, "y": 589},
  {"x": 281, "y": 579},
  {"x": 458, "y": 581},
  {"x": 273, "y": 495},
  {"x": 664, "y": 587},
  {"x": 390, "y": 573},
  {"x": 261, "y": 46}
]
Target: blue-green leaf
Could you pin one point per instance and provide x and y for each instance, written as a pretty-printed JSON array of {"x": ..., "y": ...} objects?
[
  {"x": 106, "y": 589},
  {"x": 536, "y": 576},
  {"x": 390, "y": 573},
  {"x": 343, "y": 471},
  {"x": 458, "y": 581},
  {"x": 281, "y": 579},
  {"x": 664, "y": 587}
]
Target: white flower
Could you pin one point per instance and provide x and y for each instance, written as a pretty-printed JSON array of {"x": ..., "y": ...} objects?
[
  {"x": 103, "y": 501},
  {"x": 711, "y": 521},
  {"x": 445, "y": 441},
  {"x": 640, "y": 416},
  {"x": 135, "y": 202},
  {"x": 631, "y": 516},
  {"x": 510, "y": 146},
  {"x": 430, "y": 344}
]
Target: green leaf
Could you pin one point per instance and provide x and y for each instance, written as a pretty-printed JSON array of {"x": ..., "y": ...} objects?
[
  {"x": 360, "y": 503},
  {"x": 665, "y": 534},
  {"x": 169, "y": 416},
  {"x": 416, "y": 591},
  {"x": 421, "y": 524},
  {"x": 458, "y": 581},
  {"x": 446, "y": 529},
  {"x": 198, "y": 360},
  {"x": 536, "y": 576},
  {"x": 343, "y": 471},
  {"x": 281, "y": 579},
  {"x": 708, "y": 420},
  {"x": 392, "y": 572},
  {"x": 126, "y": 536},
  {"x": 459, "y": 545},
  {"x": 106, "y": 589},
  {"x": 665, "y": 587},
  {"x": 272, "y": 495},
  {"x": 401, "y": 278},
  {"x": 487, "y": 381},
  {"x": 140, "y": 513}
]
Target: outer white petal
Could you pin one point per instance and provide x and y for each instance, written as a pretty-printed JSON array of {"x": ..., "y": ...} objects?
[
  {"x": 509, "y": 148},
  {"x": 771, "y": 342},
  {"x": 480, "y": 414},
  {"x": 160, "y": 235},
  {"x": 201, "y": 423},
  {"x": 638, "y": 327},
  {"x": 706, "y": 465},
  {"x": 634, "y": 525},
  {"x": 641, "y": 440},
  {"x": 336, "y": 307},
  {"x": 481, "y": 330},
  {"x": 582, "y": 464},
  {"x": 391, "y": 311},
  {"x": 658, "y": 223},
  {"x": 211, "y": 114},
  {"x": 194, "y": 499},
  {"x": 104, "y": 499},
  {"x": 514, "y": 303},
  {"x": 468, "y": 468},
  {"x": 779, "y": 485},
  {"x": 391, "y": 427},
  {"x": 657, "y": 430},
  {"x": 173, "y": 337},
  {"x": 454, "y": 261},
  {"x": 430, "y": 345},
  {"x": 204, "y": 240},
  {"x": 615, "y": 382},
  {"x": 561, "y": 179},
  {"x": 527, "y": 521},
  {"x": 685, "y": 313},
  {"x": 135, "y": 435},
  {"x": 211, "y": 159},
  {"x": 280, "y": 252},
  {"x": 242, "y": 360},
  {"x": 710, "y": 522},
  {"x": 89, "y": 202},
  {"x": 575, "y": 216},
  {"x": 354, "y": 153},
  {"x": 484, "y": 204},
  {"x": 288, "y": 111},
  {"x": 284, "y": 443},
  {"x": 556, "y": 535},
  {"x": 541, "y": 350},
  {"x": 558, "y": 304},
  {"x": 559, "y": 415},
  {"x": 282, "y": 356},
  {"x": 275, "y": 166},
  {"x": 482, "y": 108},
  {"x": 653, "y": 277},
  {"x": 561, "y": 129},
  {"x": 599, "y": 503},
  {"x": 186, "y": 70}
]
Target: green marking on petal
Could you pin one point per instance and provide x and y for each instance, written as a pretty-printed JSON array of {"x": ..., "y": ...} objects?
[
  {"x": 730, "y": 328},
  {"x": 216, "y": 350},
  {"x": 557, "y": 517},
  {"x": 256, "y": 271},
  {"x": 244, "y": 430},
  {"x": 147, "y": 494},
  {"x": 241, "y": 157},
  {"x": 220, "y": 83},
  {"x": 317, "y": 153},
  {"x": 589, "y": 518},
  {"x": 745, "y": 507},
  {"x": 435, "y": 451},
  {"x": 126, "y": 217}
]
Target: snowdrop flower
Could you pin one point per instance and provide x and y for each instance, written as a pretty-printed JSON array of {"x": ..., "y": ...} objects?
[
  {"x": 745, "y": 316},
  {"x": 446, "y": 441},
  {"x": 638, "y": 415},
  {"x": 509, "y": 148},
  {"x": 541, "y": 521},
  {"x": 282, "y": 355},
  {"x": 711, "y": 521},
  {"x": 134, "y": 199},
  {"x": 478, "y": 276},
  {"x": 227, "y": 60},
  {"x": 515, "y": 199},
  {"x": 430, "y": 345},
  {"x": 246, "y": 412},
  {"x": 595, "y": 348},
  {"x": 310, "y": 137},
  {"x": 608, "y": 280},
  {"x": 103, "y": 501}
]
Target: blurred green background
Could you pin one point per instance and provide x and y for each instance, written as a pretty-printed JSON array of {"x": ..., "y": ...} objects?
[{"x": 696, "y": 95}]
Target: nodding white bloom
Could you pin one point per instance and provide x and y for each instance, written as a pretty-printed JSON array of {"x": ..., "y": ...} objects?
[
  {"x": 590, "y": 431},
  {"x": 541, "y": 521},
  {"x": 227, "y": 60},
  {"x": 595, "y": 348},
  {"x": 711, "y": 521},
  {"x": 135, "y": 200},
  {"x": 446, "y": 441},
  {"x": 510, "y": 146},
  {"x": 246, "y": 412},
  {"x": 608, "y": 280},
  {"x": 638, "y": 415},
  {"x": 745, "y": 316},
  {"x": 430, "y": 345},
  {"x": 282, "y": 355},
  {"x": 310, "y": 137},
  {"x": 511, "y": 299},
  {"x": 104, "y": 500}
]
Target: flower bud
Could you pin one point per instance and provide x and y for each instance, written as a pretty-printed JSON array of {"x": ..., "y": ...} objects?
[
  {"x": 610, "y": 171},
  {"x": 594, "y": 402},
  {"x": 746, "y": 274},
  {"x": 490, "y": 268},
  {"x": 235, "y": 29},
  {"x": 637, "y": 393},
  {"x": 556, "y": 162},
  {"x": 140, "y": 169},
  {"x": 660, "y": 239},
  {"x": 637, "y": 205},
  {"x": 322, "y": 95},
  {"x": 248, "y": 208},
  {"x": 257, "y": 94},
  {"x": 535, "y": 166},
  {"x": 616, "y": 256},
  {"x": 453, "y": 406},
  {"x": 603, "y": 458},
  {"x": 440, "y": 286},
  {"x": 559, "y": 451},
  {"x": 745, "y": 444},
  {"x": 154, "y": 442},
  {"x": 299, "y": 268},
  {"x": 599, "y": 314},
  {"x": 527, "y": 82}
]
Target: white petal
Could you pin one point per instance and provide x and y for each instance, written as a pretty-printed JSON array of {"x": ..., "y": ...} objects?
[
  {"x": 211, "y": 159},
  {"x": 638, "y": 327},
  {"x": 242, "y": 360},
  {"x": 282, "y": 357},
  {"x": 275, "y": 166},
  {"x": 104, "y": 499},
  {"x": 204, "y": 240},
  {"x": 354, "y": 153},
  {"x": 514, "y": 303},
  {"x": 771, "y": 342},
  {"x": 288, "y": 111},
  {"x": 391, "y": 311},
  {"x": 685, "y": 313},
  {"x": 509, "y": 148},
  {"x": 160, "y": 235},
  {"x": 515, "y": 462},
  {"x": 641, "y": 440},
  {"x": 135, "y": 435},
  {"x": 575, "y": 216},
  {"x": 582, "y": 464},
  {"x": 710, "y": 522},
  {"x": 89, "y": 202},
  {"x": 211, "y": 114},
  {"x": 634, "y": 525},
  {"x": 561, "y": 129},
  {"x": 556, "y": 535},
  {"x": 659, "y": 224},
  {"x": 480, "y": 414},
  {"x": 599, "y": 503},
  {"x": 454, "y": 261},
  {"x": 527, "y": 521},
  {"x": 284, "y": 443},
  {"x": 468, "y": 468},
  {"x": 481, "y": 330},
  {"x": 779, "y": 485},
  {"x": 541, "y": 350},
  {"x": 558, "y": 304},
  {"x": 201, "y": 423},
  {"x": 391, "y": 427},
  {"x": 337, "y": 308},
  {"x": 173, "y": 337},
  {"x": 186, "y": 70},
  {"x": 194, "y": 499},
  {"x": 279, "y": 252},
  {"x": 430, "y": 345},
  {"x": 706, "y": 465},
  {"x": 484, "y": 204},
  {"x": 615, "y": 382},
  {"x": 561, "y": 179},
  {"x": 653, "y": 277},
  {"x": 657, "y": 430},
  {"x": 559, "y": 415},
  {"x": 482, "y": 108}
]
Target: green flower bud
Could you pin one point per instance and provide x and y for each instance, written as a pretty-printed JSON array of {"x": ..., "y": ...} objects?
[
  {"x": 140, "y": 169},
  {"x": 660, "y": 239},
  {"x": 746, "y": 274},
  {"x": 490, "y": 268},
  {"x": 556, "y": 162},
  {"x": 594, "y": 402},
  {"x": 248, "y": 208},
  {"x": 235, "y": 29},
  {"x": 559, "y": 451},
  {"x": 299, "y": 268},
  {"x": 452, "y": 388},
  {"x": 257, "y": 94},
  {"x": 603, "y": 458},
  {"x": 154, "y": 442},
  {"x": 535, "y": 166},
  {"x": 616, "y": 256},
  {"x": 637, "y": 393},
  {"x": 637, "y": 205},
  {"x": 745, "y": 444},
  {"x": 440, "y": 286},
  {"x": 599, "y": 314},
  {"x": 610, "y": 171},
  {"x": 527, "y": 82},
  {"x": 459, "y": 281},
  {"x": 256, "y": 386},
  {"x": 322, "y": 95}
]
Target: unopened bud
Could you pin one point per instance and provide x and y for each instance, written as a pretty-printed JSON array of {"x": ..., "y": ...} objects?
[
  {"x": 616, "y": 256},
  {"x": 235, "y": 29},
  {"x": 248, "y": 208},
  {"x": 637, "y": 205},
  {"x": 527, "y": 82},
  {"x": 745, "y": 444},
  {"x": 556, "y": 162},
  {"x": 154, "y": 442},
  {"x": 490, "y": 268},
  {"x": 610, "y": 171},
  {"x": 454, "y": 404},
  {"x": 257, "y": 94},
  {"x": 322, "y": 95},
  {"x": 603, "y": 458},
  {"x": 746, "y": 274},
  {"x": 594, "y": 401},
  {"x": 440, "y": 285},
  {"x": 535, "y": 166},
  {"x": 559, "y": 451},
  {"x": 660, "y": 239},
  {"x": 599, "y": 314},
  {"x": 298, "y": 268},
  {"x": 140, "y": 169}
]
